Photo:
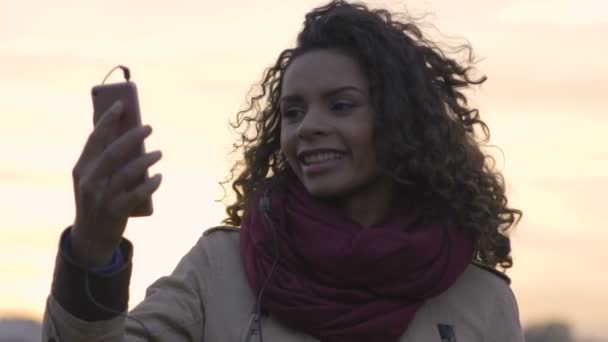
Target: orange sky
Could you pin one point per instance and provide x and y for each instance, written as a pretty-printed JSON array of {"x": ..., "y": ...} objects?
[{"x": 194, "y": 62}]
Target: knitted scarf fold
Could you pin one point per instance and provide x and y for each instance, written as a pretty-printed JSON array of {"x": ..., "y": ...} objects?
[{"x": 340, "y": 282}]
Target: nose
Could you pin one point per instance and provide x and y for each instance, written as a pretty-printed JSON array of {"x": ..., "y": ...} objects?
[{"x": 313, "y": 124}]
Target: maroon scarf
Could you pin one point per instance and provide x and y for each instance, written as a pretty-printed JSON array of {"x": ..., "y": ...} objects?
[{"x": 340, "y": 282}]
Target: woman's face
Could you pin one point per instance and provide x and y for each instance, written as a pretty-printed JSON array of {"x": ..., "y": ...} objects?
[{"x": 327, "y": 124}]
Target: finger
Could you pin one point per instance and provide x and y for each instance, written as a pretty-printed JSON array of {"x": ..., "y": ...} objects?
[
  {"x": 98, "y": 138},
  {"x": 123, "y": 204},
  {"x": 118, "y": 153},
  {"x": 132, "y": 172}
]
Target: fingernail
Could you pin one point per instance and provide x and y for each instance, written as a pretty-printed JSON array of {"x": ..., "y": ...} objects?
[{"x": 147, "y": 129}]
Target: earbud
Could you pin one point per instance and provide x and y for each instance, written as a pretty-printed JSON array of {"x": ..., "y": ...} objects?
[{"x": 265, "y": 204}]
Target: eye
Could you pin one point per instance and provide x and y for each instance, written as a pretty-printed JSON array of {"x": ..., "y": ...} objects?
[
  {"x": 342, "y": 106},
  {"x": 292, "y": 113}
]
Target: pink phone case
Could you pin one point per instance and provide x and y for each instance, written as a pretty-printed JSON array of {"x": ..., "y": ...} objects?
[{"x": 103, "y": 97}]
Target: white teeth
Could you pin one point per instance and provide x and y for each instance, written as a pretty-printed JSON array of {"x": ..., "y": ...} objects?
[{"x": 321, "y": 157}]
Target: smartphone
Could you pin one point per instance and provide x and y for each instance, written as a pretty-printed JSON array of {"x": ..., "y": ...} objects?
[{"x": 104, "y": 97}]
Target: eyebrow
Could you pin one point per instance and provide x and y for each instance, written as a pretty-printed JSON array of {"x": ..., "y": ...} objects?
[{"x": 327, "y": 93}]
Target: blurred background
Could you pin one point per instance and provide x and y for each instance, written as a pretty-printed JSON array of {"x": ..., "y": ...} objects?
[{"x": 194, "y": 62}]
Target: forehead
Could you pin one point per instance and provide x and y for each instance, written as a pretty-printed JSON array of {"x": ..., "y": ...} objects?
[{"x": 319, "y": 70}]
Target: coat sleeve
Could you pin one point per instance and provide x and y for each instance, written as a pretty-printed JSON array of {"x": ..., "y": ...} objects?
[{"x": 171, "y": 311}]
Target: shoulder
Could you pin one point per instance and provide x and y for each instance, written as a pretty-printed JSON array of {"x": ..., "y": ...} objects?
[
  {"x": 215, "y": 256},
  {"x": 490, "y": 286},
  {"x": 491, "y": 292},
  {"x": 219, "y": 245},
  {"x": 220, "y": 235},
  {"x": 221, "y": 229},
  {"x": 480, "y": 290},
  {"x": 484, "y": 297},
  {"x": 491, "y": 270},
  {"x": 213, "y": 246},
  {"x": 480, "y": 306},
  {"x": 482, "y": 281},
  {"x": 219, "y": 241}
]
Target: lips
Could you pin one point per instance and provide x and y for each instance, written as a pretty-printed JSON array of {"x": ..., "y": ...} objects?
[
  {"x": 317, "y": 156},
  {"x": 318, "y": 162}
]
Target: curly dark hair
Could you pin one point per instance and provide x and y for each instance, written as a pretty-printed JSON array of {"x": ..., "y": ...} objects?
[{"x": 428, "y": 143}]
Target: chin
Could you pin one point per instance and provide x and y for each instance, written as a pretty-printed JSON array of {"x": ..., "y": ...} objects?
[
  {"x": 321, "y": 192},
  {"x": 324, "y": 188}
]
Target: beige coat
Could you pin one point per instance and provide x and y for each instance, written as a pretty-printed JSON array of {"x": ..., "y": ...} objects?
[{"x": 207, "y": 298}]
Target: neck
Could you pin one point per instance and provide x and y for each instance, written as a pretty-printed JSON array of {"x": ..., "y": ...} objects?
[{"x": 368, "y": 204}]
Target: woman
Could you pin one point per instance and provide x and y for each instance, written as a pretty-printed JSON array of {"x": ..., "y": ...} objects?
[{"x": 367, "y": 210}]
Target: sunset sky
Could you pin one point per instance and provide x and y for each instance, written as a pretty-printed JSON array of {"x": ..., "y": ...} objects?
[{"x": 194, "y": 62}]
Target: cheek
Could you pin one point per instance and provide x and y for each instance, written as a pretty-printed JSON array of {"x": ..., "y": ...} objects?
[
  {"x": 283, "y": 141},
  {"x": 287, "y": 148},
  {"x": 364, "y": 152}
]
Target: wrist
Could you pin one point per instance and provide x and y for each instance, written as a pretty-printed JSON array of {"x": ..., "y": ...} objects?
[{"x": 88, "y": 252}]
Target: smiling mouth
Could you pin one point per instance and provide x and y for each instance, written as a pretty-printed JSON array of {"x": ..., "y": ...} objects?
[{"x": 313, "y": 158}]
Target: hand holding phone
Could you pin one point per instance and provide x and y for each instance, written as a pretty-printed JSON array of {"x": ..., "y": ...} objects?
[
  {"x": 126, "y": 92},
  {"x": 110, "y": 177}
]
